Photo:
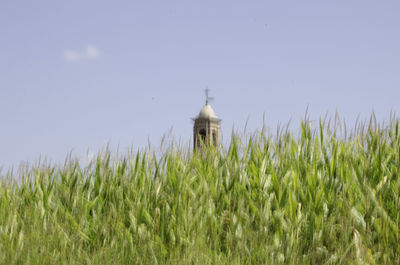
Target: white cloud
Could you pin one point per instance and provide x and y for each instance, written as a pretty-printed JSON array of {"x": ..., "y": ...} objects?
[
  {"x": 71, "y": 56},
  {"x": 91, "y": 52}
]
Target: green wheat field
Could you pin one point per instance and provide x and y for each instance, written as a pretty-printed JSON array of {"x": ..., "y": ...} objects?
[{"x": 324, "y": 195}]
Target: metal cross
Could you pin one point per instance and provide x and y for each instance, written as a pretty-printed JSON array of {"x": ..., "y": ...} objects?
[{"x": 207, "y": 91}]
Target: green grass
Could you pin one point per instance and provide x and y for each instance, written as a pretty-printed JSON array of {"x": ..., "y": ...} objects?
[{"x": 322, "y": 197}]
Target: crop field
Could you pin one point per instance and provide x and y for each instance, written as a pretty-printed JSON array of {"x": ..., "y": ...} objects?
[{"x": 322, "y": 196}]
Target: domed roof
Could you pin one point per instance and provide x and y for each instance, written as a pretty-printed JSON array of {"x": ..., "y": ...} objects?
[{"x": 207, "y": 112}]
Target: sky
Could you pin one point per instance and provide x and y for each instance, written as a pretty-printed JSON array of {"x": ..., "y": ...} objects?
[{"x": 77, "y": 75}]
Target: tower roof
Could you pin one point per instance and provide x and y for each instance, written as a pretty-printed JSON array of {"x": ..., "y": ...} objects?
[{"x": 207, "y": 112}]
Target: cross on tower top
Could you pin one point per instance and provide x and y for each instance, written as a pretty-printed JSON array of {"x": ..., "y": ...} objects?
[{"x": 208, "y": 98}]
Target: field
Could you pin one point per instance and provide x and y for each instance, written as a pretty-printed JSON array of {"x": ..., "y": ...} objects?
[{"x": 322, "y": 196}]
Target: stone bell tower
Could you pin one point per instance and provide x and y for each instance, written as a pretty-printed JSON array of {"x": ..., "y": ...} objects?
[{"x": 206, "y": 129}]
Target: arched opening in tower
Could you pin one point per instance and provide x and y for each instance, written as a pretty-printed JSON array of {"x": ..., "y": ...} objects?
[
  {"x": 202, "y": 134},
  {"x": 214, "y": 138}
]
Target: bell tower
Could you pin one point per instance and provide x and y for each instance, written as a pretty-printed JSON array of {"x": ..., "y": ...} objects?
[{"x": 206, "y": 129}]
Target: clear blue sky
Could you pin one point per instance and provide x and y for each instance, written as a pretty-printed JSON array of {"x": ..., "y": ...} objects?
[{"x": 76, "y": 74}]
